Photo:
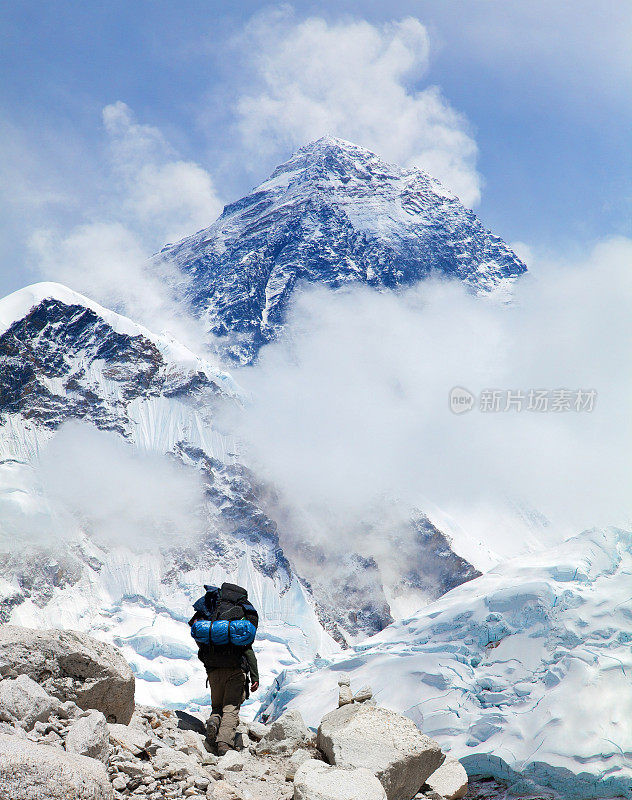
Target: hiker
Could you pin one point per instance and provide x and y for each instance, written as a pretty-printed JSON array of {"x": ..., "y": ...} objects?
[{"x": 224, "y": 626}]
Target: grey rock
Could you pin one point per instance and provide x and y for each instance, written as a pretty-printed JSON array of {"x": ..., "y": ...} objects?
[
  {"x": 51, "y": 739},
  {"x": 89, "y": 736},
  {"x": 450, "y": 780},
  {"x": 257, "y": 730},
  {"x": 345, "y": 696},
  {"x": 36, "y": 772},
  {"x": 363, "y": 694},
  {"x": 286, "y": 734},
  {"x": 70, "y": 666},
  {"x": 386, "y": 743},
  {"x": 12, "y": 730},
  {"x": 296, "y": 759},
  {"x": 26, "y": 701},
  {"x": 191, "y": 744},
  {"x": 232, "y": 761},
  {"x": 136, "y": 769},
  {"x": 315, "y": 780},
  {"x": 69, "y": 710},
  {"x": 132, "y": 740},
  {"x": 171, "y": 763},
  {"x": 222, "y": 790}
]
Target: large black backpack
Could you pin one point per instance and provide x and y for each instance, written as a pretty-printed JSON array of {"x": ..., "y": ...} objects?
[
  {"x": 233, "y": 603},
  {"x": 228, "y": 602}
]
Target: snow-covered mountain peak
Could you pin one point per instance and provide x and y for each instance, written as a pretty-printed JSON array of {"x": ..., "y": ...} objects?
[
  {"x": 66, "y": 357},
  {"x": 335, "y": 159},
  {"x": 341, "y": 162},
  {"x": 334, "y": 214},
  {"x": 50, "y": 295},
  {"x": 15, "y": 306}
]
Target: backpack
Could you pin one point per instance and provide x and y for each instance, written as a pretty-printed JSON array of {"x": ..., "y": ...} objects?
[{"x": 225, "y": 621}]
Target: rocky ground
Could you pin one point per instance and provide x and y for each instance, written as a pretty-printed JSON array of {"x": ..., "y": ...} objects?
[{"x": 69, "y": 730}]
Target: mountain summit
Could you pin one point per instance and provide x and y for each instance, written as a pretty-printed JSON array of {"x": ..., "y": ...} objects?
[{"x": 333, "y": 214}]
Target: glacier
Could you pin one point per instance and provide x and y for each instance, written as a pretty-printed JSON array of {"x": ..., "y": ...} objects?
[{"x": 523, "y": 673}]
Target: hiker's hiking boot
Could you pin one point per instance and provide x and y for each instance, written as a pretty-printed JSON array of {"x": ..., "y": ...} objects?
[
  {"x": 223, "y": 748},
  {"x": 212, "y": 727}
]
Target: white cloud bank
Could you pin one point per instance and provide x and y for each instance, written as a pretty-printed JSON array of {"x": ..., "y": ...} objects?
[
  {"x": 152, "y": 198},
  {"x": 358, "y": 81},
  {"x": 118, "y": 495},
  {"x": 167, "y": 197},
  {"x": 351, "y": 407}
]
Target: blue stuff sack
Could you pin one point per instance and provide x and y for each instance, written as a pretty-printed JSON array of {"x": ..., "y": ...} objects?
[
  {"x": 242, "y": 632},
  {"x": 220, "y": 632},
  {"x": 201, "y": 630}
]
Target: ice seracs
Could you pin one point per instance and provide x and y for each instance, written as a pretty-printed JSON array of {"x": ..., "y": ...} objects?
[{"x": 522, "y": 673}]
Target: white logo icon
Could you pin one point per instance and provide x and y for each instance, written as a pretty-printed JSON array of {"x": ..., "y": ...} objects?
[{"x": 461, "y": 400}]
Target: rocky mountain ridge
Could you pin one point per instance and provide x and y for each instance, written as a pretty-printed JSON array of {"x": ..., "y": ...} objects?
[{"x": 336, "y": 215}]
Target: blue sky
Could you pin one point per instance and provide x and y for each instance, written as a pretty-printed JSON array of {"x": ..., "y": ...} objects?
[{"x": 531, "y": 119}]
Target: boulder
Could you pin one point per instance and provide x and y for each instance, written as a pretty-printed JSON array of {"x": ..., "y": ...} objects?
[
  {"x": 25, "y": 701},
  {"x": 388, "y": 744},
  {"x": 134, "y": 768},
  {"x": 70, "y": 666},
  {"x": 135, "y": 740},
  {"x": 33, "y": 772},
  {"x": 363, "y": 694},
  {"x": 222, "y": 790},
  {"x": 296, "y": 759},
  {"x": 191, "y": 744},
  {"x": 315, "y": 780},
  {"x": 171, "y": 763},
  {"x": 257, "y": 730},
  {"x": 89, "y": 736},
  {"x": 69, "y": 710},
  {"x": 286, "y": 734},
  {"x": 232, "y": 761},
  {"x": 450, "y": 780},
  {"x": 344, "y": 692},
  {"x": 8, "y": 728},
  {"x": 119, "y": 783}
]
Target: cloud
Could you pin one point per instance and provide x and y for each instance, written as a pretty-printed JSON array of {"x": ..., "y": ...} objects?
[
  {"x": 168, "y": 198},
  {"x": 117, "y": 495},
  {"x": 350, "y": 409},
  {"x": 358, "y": 81},
  {"x": 151, "y": 198}
]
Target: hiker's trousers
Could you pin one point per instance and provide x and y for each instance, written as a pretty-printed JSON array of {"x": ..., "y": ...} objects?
[{"x": 228, "y": 692}]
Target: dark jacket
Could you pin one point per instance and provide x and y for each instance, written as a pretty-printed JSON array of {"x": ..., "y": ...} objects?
[{"x": 246, "y": 659}]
